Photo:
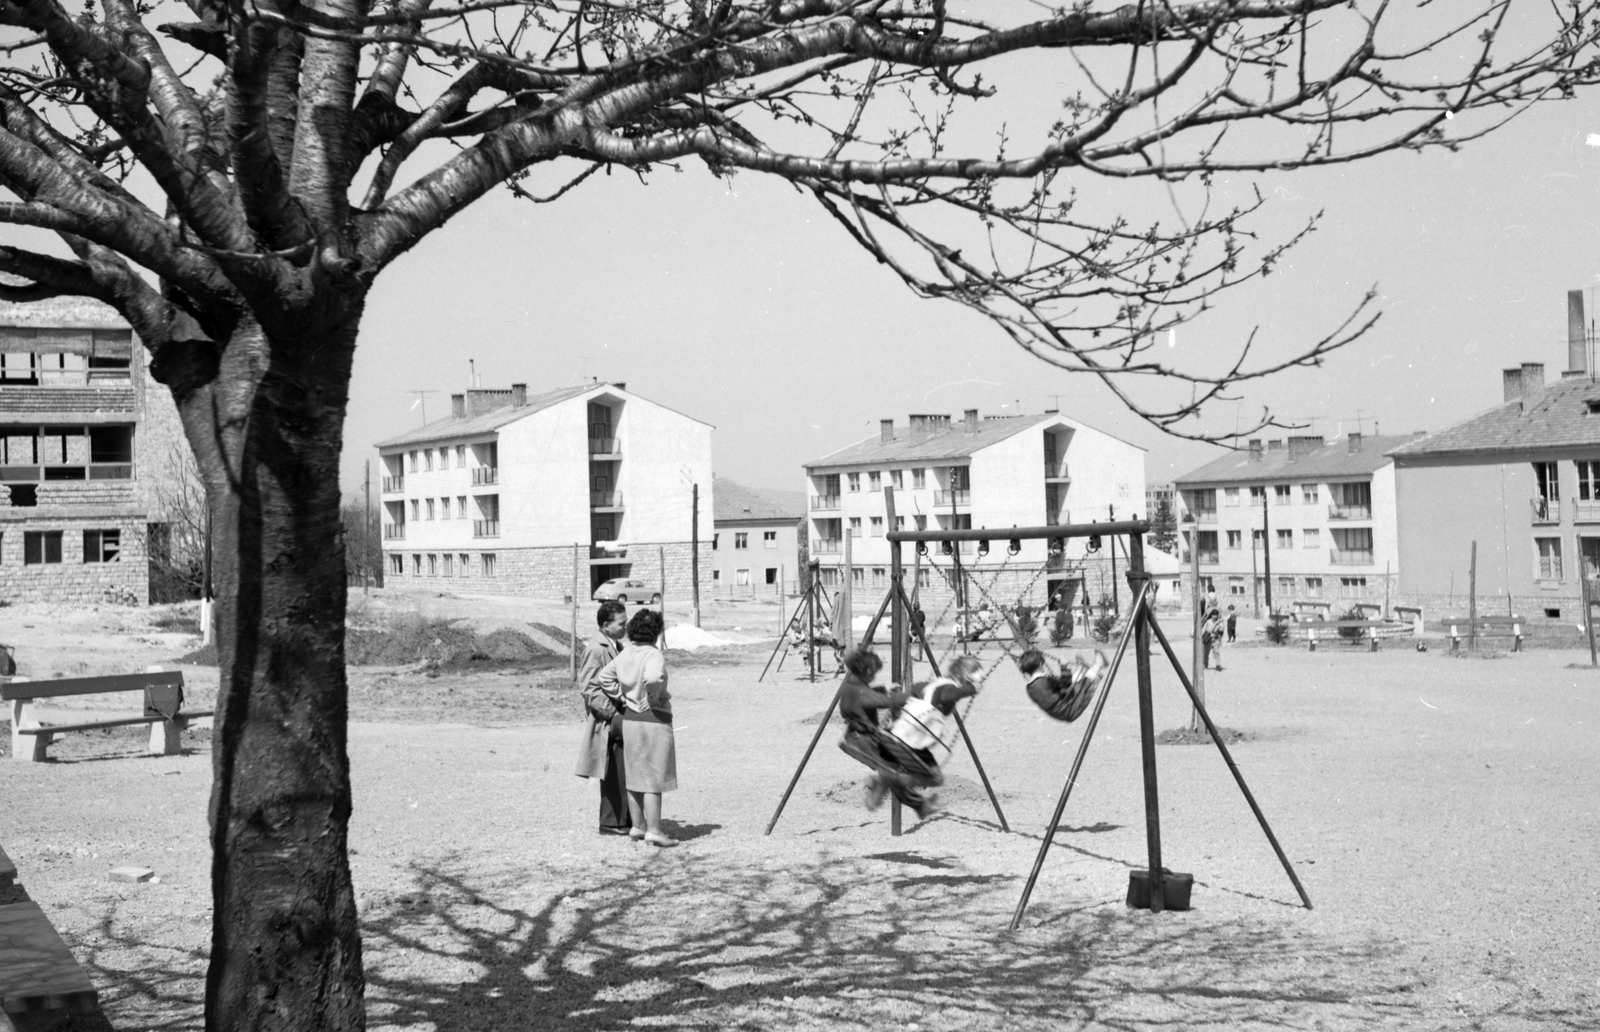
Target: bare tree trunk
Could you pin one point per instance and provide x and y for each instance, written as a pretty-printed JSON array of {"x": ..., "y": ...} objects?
[{"x": 267, "y": 432}]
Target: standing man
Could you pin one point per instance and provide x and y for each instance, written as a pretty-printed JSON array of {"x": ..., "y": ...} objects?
[{"x": 600, "y": 752}]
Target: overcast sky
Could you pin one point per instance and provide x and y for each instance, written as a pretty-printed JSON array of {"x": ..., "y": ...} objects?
[{"x": 746, "y": 308}]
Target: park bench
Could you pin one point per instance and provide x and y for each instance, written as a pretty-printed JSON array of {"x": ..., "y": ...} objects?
[
  {"x": 1369, "y": 631},
  {"x": 41, "y": 982},
  {"x": 163, "y": 703},
  {"x": 1488, "y": 627}
]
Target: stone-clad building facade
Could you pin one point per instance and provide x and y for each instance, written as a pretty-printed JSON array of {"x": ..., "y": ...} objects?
[{"x": 85, "y": 435}]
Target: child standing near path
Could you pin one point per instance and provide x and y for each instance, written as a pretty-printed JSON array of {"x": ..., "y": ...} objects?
[{"x": 1233, "y": 625}]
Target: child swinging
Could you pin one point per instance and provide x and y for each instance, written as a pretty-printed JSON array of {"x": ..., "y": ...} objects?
[{"x": 1066, "y": 695}]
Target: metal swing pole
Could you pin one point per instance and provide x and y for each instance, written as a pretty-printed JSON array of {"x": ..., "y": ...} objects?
[
  {"x": 1227, "y": 758},
  {"x": 866, "y": 642},
  {"x": 927, "y": 651},
  {"x": 783, "y": 639},
  {"x": 1083, "y": 750},
  {"x": 1147, "y": 725},
  {"x": 897, "y": 630}
]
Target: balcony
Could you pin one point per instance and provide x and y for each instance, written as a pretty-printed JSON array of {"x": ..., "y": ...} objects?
[
  {"x": 1545, "y": 510},
  {"x": 1208, "y": 558},
  {"x": 826, "y": 546},
  {"x": 605, "y": 499},
  {"x": 394, "y": 531},
  {"x": 1350, "y": 556},
  {"x": 608, "y": 447},
  {"x": 485, "y": 528},
  {"x": 1200, "y": 516},
  {"x": 1349, "y": 512},
  {"x": 394, "y": 485},
  {"x": 958, "y": 497},
  {"x": 86, "y": 471},
  {"x": 819, "y": 502},
  {"x": 1056, "y": 470},
  {"x": 483, "y": 476},
  {"x": 607, "y": 554},
  {"x": 1585, "y": 512}
]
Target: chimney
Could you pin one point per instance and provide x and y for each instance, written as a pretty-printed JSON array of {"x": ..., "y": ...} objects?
[
  {"x": 886, "y": 431},
  {"x": 1577, "y": 339},
  {"x": 519, "y": 395},
  {"x": 1512, "y": 378},
  {"x": 1255, "y": 449},
  {"x": 1532, "y": 384},
  {"x": 1303, "y": 445},
  {"x": 971, "y": 418},
  {"x": 1353, "y": 442},
  {"x": 919, "y": 427},
  {"x": 458, "y": 406}
]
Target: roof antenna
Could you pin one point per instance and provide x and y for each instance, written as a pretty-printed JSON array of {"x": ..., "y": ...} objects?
[{"x": 472, "y": 372}]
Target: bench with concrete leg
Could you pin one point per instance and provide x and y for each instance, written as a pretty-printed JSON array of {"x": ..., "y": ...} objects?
[{"x": 163, "y": 704}]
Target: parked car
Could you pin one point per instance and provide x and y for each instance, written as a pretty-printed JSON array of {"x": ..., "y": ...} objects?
[{"x": 625, "y": 589}]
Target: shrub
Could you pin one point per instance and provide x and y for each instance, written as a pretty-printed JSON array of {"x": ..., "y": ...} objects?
[
  {"x": 1061, "y": 627},
  {"x": 1352, "y": 632},
  {"x": 1278, "y": 629},
  {"x": 1104, "y": 623}
]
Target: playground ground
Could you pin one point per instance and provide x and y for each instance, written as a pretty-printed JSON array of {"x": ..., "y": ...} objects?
[{"x": 1440, "y": 812}]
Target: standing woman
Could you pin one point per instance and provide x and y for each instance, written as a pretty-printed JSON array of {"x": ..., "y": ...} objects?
[
  {"x": 600, "y": 752},
  {"x": 637, "y": 679}
]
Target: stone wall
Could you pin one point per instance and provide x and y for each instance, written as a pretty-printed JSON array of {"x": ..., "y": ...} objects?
[
  {"x": 72, "y": 580},
  {"x": 547, "y": 573}
]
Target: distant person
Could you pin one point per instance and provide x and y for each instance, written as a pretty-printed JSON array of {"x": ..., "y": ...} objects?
[
  {"x": 1233, "y": 625},
  {"x": 637, "y": 681},
  {"x": 1211, "y": 599},
  {"x": 1211, "y": 634},
  {"x": 600, "y": 752}
]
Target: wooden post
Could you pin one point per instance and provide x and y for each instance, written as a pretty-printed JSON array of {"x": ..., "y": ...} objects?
[
  {"x": 811, "y": 626},
  {"x": 1111, "y": 546},
  {"x": 661, "y": 560},
  {"x": 576, "y": 581},
  {"x": 694, "y": 556},
  {"x": 897, "y": 628},
  {"x": 1472, "y": 601},
  {"x": 1147, "y": 726},
  {"x": 1255, "y": 581},
  {"x": 1386, "y": 589},
  {"x": 1266, "y": 551},
  {"x": 847, "y": 592},
  {"x": 1588, "y": 609},
  {"x": 1197, "y": 668},
  {"x": 366, "y": 531}
]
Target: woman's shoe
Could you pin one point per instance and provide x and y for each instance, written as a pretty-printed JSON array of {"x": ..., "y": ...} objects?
[
  {"x": 655, "y": 838},
  {"x": 636, "y": 833}
]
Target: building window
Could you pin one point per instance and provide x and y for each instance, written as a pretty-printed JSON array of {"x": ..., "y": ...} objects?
[
  {"x": 830, "y": 576},
  {"x": 716, "y": 577},
  {"x": 102, "y": 546},
  {"x": 769, "y": 539},
  {"x": 923, "y": 580},
  {"x": 1309, "y": 494},
  {"x": 1549, "y": 549},
  {"x": 433, "y": 564},
  {"x": 1545, "y": 473},
  {"x": 741, "y": 540},
  {"x": 449, "y": 565},
  {"x": 1311, "y": 538},
  {"x": 1353, "y": 587},
  {"x": 919, "y": 479},
  {"x": 1235, "y": 538},
  {"x": 1314, "y": 587},
  {"x": 874, "y": 481},
  {"x": 853, "y": 480},
  {"x": 855, "y": 526},
  {"x": 1285, "y": 539},
  {"x": 488, "y": 564},
  {"x": 772, "y": 575},
  {"x": 879, "y": 577},
  {"x": 397, "y": 564},
  {"x": 897, "y": 478},
  {"x": 1280, "y": 494},
  {"x": 741, "y": 578},
  {"x": 1236, "y": 586},
  {"x": 444, "y": 508},
  {"x": 1257, "y": 536},
  {"x": 430, "y": 508},
  {"x": 466, "y": 559},
  {"x": 461, "y": 456},
  {"x": 714, "y": 539},
  {"x": 413, "y": 462},
  {"x": 1258, "y": 495},
  {"x": 1286, "y": 586},
  {"x": 41, "y": 546},
  {"x": 416, "y": 564},
  {"x": 416, "y": 510},
  {"x": 858, "y": 576},
  {"x": 1230, "y": 496},
  {"x": 427, "y": 459},
  {"x": 899, "y": 523},
  {"x": 921, "y": 522},
  {"x": 1588, "y": 481},
  {"x": 877, "y": 526}
]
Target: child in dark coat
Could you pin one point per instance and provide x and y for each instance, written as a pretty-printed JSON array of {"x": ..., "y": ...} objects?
[{"x": 1066, "y": 695}]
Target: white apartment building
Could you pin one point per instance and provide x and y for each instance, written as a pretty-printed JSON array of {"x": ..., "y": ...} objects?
[
  {"x": 1330, "y": 524},
  {"x": 998, "y": 472},
  {"x": 548, "y": 494}
]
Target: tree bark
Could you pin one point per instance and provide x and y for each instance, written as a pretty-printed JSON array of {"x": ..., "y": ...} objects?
[{"x": 267, "y": 431}]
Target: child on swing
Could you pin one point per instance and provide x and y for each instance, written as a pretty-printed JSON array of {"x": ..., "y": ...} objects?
[
  {"x": 921, "y": 724},
  {"x": 1066, "y": 695}
]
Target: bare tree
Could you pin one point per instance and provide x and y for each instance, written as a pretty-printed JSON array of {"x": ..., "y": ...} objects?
[
  {"x": 178, "y": 548},
  {"x": 245, "y": 261}
]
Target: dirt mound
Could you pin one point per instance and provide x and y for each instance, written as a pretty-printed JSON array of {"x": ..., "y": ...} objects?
[
  {"x": 1184, "y": 736},
  {"x": 442, "y": 646}
]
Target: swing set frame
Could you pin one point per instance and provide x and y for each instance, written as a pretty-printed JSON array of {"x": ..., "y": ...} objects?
[{"x": 1141, "y": 631}]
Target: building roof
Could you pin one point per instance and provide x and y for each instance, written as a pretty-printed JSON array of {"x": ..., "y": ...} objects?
[
  {"x": 735, "y": 503},
  {"x": 1330, "y": 459},
  {"x": 449, "y": 427},
  {"x": 951, "y": 443},
  {"x": 1559, "y": 419},
  {"x": 68, "y": 312}
]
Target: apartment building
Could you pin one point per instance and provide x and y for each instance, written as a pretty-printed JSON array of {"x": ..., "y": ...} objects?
[
  {"x": 546, "y": 495},
  {"x": 756, "y": 541},
  {"x": 997, "y": 472},
  {"x": 1521, "y": 482},
  {"x": 1320, "y": 512},
  {"x": 86, "y": 440}
]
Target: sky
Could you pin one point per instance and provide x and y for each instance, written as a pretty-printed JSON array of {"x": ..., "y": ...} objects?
[{"x": 741, "y": 304}]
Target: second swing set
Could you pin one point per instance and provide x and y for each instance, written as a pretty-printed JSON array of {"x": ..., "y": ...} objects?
[{"x": 1147, "y": 888}]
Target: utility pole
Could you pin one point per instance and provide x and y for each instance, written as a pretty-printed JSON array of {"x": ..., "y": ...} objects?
[
  {"x": 1111, "y": 546},
  {"x": 366, "y": 533},
  {"x": 694, "y": 551},
  {"x": 955, "y": 557},
  {"x": 1266, "y": 550}
]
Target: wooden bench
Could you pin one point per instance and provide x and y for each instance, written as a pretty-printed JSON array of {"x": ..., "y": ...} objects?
[
  {"x": 1489, "y": 627},
  {"x": 163, "y": 703},
  {"x": 1370, "y": 627},
  {"x": 41, "y": 984}
]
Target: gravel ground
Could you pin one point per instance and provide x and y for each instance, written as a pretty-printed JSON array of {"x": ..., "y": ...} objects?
[{"x": 1435, "y": 808}]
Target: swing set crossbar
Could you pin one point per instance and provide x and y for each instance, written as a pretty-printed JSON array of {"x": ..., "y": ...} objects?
[{"x": 1060, "y": 530}]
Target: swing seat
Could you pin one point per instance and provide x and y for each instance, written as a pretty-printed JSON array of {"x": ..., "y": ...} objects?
[{"x": 905, "y": 767}]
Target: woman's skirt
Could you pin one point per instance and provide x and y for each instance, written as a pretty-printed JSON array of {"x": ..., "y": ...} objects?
[{"x": 649, "y": 753}]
